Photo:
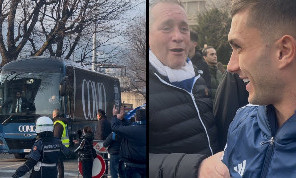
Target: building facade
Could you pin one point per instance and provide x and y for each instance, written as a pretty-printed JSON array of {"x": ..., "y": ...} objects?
[{"x": 193, "y": 8}]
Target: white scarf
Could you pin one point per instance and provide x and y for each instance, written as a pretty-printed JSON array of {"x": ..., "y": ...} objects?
[{"x": 174, "y": 75}]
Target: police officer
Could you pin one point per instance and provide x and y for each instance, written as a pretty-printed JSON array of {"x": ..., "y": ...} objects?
[
  {"x": 60, "y": 131},
  {"x": 45, "y": 152},
  {"x": 133, "y": 145}
]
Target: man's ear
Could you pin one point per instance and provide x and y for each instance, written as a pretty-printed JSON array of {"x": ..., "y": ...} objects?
[
  {"x": 195, "y": 44},
  {"x": 287, "y": 50}
]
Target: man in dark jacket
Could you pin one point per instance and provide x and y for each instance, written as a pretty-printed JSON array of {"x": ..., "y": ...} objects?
[
  {"x": 102, "y": 131},
  {"x": 113, "y": 142},
  {"x": 103, "y": 127},
  {"x": 18, "y": 104},
  {"x": 182, "y": 131},
  {"x": 197, "y": 60},
  {"x": 133, "y": 145},
  {"x": 210, "y": 55}
]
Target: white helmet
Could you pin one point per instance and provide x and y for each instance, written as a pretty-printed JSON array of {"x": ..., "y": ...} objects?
[{"x": 44, "y": 124}]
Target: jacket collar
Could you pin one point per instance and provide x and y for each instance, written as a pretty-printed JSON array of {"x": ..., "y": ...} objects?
[{"x": 267, "y": 121}]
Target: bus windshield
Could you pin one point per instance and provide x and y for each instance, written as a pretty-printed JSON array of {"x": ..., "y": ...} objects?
[{"x": 31, "y": 93}]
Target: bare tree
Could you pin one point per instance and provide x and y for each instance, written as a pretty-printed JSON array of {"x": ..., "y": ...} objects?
[
  {"x": 54, "y": 27},
  {"x": 136, "y": 55}
]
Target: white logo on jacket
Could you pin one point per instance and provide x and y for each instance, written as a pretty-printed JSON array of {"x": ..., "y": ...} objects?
[{"x": 240, "y": 168}]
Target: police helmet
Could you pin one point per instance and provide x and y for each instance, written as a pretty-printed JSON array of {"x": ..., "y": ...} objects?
[{"x": 44, "y": 124}]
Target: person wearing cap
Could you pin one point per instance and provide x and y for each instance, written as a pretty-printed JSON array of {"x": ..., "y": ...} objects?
[{"x": 45, "y": 152}]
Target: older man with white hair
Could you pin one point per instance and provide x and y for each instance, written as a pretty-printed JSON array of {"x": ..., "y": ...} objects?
[{"x": 182, "y": 130}]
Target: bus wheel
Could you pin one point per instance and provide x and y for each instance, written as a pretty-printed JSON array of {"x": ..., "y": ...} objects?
[{"x": 19, "y": 155}]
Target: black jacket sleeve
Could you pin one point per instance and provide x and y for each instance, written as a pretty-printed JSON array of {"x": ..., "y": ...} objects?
[
  {"x": 123, "y": 128},
  {"x": 231, "y": 95},
  {"x": 108, "y": 140},
  {"x": 106, "y": 129},
  {"x": 66, "y": 151},
  {"x": 26, "y": 167},
  {"x": 80, "y": 146},
  {"x": 174, "y": 165}
]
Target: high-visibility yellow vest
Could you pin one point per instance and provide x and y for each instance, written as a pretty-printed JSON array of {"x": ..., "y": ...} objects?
[{"x": 65, "y": 137}]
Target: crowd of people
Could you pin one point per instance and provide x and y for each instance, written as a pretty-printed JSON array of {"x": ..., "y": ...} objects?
[
  {"x": 124, "y": 139},
  {"x": 205, "y": 121}
]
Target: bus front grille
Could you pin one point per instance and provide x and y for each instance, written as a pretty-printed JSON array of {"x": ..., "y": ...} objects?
[{"x": 19, "y": 143}]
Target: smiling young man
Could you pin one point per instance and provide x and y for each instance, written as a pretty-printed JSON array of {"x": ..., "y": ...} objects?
[
  {"x": 261, "y": 139},
  {"x": 182, "y": 130}
]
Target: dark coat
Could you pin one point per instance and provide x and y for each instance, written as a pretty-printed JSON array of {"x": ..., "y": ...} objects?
[
  {"x": 113, "y": 142},
  {"x": 200, "y": 64},
  {"x": 103, "y": 129},
  {"x": 180, "y": 123},
  {"x": 10, "y": 105},
  {"x": 231, "y": 95},
  {"x": 216, "y": 78},
  {"x": 85, "y": 149},
  {"x": 133, "y": 144}
]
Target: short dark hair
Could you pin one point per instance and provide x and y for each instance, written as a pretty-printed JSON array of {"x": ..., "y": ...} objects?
[
  {"x": 101, "y": 112},
  {"x": 271, "y": 17},
  {"x": 87, "y": 129},
  {"x": 205, "y": 50},
  {"x": 193, "y": 36},
  {"x": 140, "y": 115}
]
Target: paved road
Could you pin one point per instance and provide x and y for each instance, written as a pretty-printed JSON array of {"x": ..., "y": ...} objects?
[{"x": 8, "y": 165}]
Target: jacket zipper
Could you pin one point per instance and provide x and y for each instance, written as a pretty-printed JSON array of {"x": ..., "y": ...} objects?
[
  {"x": 195, "y": 105},
  {"x": 268, "y": 156}
]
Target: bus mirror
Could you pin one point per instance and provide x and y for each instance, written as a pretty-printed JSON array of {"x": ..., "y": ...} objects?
[{"x": 62, "y": 88}]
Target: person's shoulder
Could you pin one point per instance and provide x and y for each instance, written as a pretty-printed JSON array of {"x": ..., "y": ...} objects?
[
  {"x": 38, "y": 141},
  {"x": 58, "y": 120},
  {"x": 56, "y": 140},
  {"x": 247, "y": 109},
  {"x": 244, "y": 114},
  {"x": 57, "y": 123}
]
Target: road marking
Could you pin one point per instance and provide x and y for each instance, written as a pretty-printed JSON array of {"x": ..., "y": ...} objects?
[
  {"x": 66, "y": 173},
  {"x": 71, "y": 174},
  {"x": 10, "y": 166}
]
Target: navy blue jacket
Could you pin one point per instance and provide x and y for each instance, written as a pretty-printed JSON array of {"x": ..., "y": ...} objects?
[
  {"x": 133, "y": 145},
  {"x": 257, "y": 148},
  {"x": 113, "y": 142}
]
